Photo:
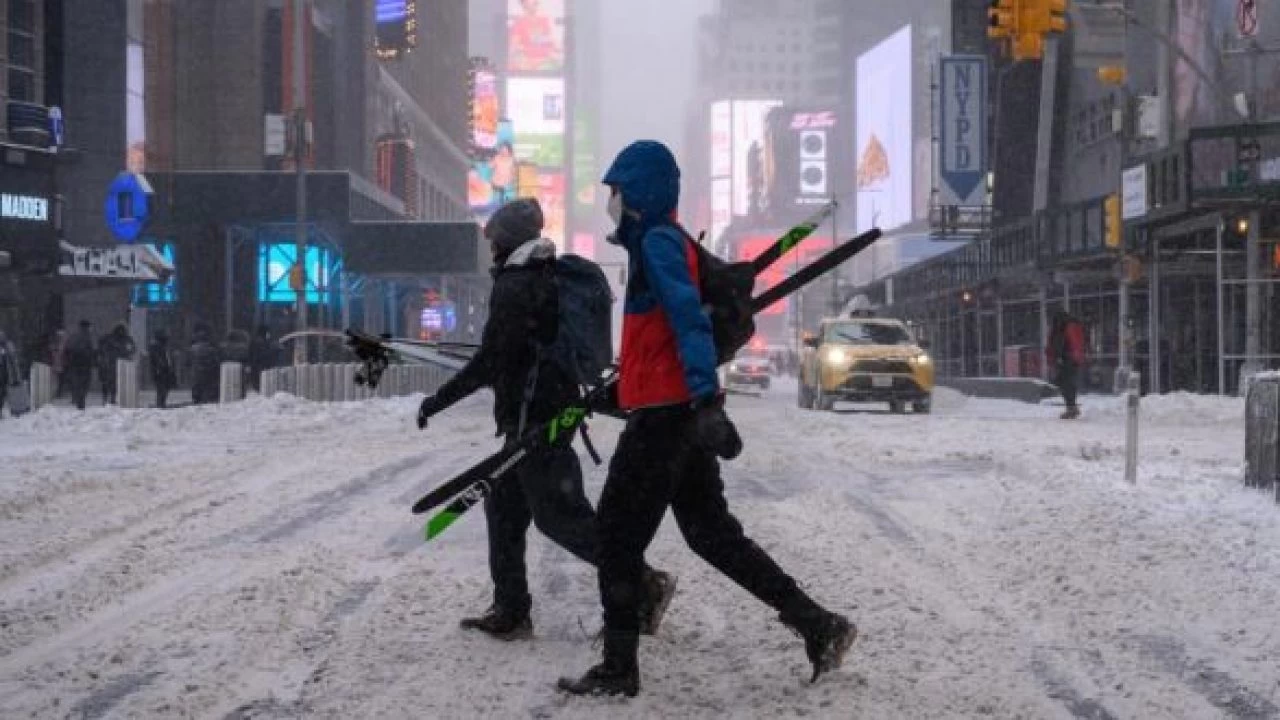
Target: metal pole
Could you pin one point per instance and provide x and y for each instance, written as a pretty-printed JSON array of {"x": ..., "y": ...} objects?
[
  {"x": 1044, "y": 330},
  {"x": 1000, "y": 337},
  {"x": 229, "y": 277},
  {"x": 1253, "y": 298},
  {"x": 835, "y": 272},
  {"x": 300, "y": 161},
  {"x": 1153, "y": 319},
  {"x": 1222, "y": 338},
  {"x": 1044, "y": 139},
  {"x": 1131, "y": 429}
]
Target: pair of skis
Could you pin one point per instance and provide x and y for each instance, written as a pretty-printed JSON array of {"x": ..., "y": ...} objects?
[{"x": 470, "y": 487}]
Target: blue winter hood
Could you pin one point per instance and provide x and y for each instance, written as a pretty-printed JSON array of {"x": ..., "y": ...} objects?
[{"x": 647, "y": 175}]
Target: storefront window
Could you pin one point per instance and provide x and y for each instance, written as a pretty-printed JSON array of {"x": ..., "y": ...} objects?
[{"x": 158, "y": 293}]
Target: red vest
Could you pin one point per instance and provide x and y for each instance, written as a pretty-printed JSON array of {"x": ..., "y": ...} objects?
[{"x": 650, "y": 372}]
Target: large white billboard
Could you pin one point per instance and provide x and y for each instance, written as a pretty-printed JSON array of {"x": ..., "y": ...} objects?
[
  {"x": 748, "y": 131},
  {"x": 884, "y": 133}
]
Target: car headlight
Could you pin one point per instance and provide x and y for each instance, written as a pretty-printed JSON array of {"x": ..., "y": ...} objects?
[
  {"x": 836, "y": 356},
  {"x": 922, "y": 359},
  {"x": 733, "y": 367}
]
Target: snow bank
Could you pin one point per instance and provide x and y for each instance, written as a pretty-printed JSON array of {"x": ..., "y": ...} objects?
[{"x": 1173, "y": 408}]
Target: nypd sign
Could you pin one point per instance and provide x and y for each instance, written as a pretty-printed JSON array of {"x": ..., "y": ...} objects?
[
  {"x": 24, "y": 207},
  {"x": 963, "y": 130}
]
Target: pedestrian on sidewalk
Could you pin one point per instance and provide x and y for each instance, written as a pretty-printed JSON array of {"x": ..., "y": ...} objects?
[
  {"x": 1066, "y": 355},
  {"x": 163, "y": 370},
  {"x": 82, "y": 355}
]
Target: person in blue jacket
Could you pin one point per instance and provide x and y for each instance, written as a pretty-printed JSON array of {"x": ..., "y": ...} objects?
[{"x": 676, "y": 428}]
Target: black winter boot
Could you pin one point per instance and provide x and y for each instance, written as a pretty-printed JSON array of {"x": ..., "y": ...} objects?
[
  {"x": 659, "y": 588},
  {"x": 501, "y": 623},
  {"x": 827, "y": 637},
  {"x": 618, "y": 674}
]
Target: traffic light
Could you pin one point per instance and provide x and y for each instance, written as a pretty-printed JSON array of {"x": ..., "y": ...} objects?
[
  {"x": 1002, "y": 19},
  {"x": 1113, "y": 224}
]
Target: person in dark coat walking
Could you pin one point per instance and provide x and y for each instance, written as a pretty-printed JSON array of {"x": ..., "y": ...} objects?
[
  {"x": 547, "y": 486},
  {"x": 82, "y": 355},
  {"x": 206, "y": 361},
  {"x": 1066, "y": 355},
  {"x": 9, "y": 374},
  {"x": 163, "y": 370},
  {"x": 113, "y": 347},
  {"x": 677, "y": 427}
]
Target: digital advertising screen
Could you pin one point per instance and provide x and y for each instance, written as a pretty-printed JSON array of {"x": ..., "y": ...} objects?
[
  {"x": 484, "y": 109},
  {"x": 395, "y": 25},
  {"x": 550, "y": 194},
  {"x": 275, "y": 259},
  {"x": 721, "y": 206},
  {"x": 752, "y": 246},
  {"x": 884, "y": 134},
  {"x": 536, "y": 109},
  {"x": 748, "y": 130},
  {"x": 721, "y": 139},
  {"x": 535, "y": 36}
]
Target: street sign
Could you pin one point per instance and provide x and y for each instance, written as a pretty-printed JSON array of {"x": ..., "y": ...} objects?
[
  {"x": 1133, "y": 193},
  {"x": 128, "y": 206},
  {"x": 963, "y": 132},
  {"x": 125, "y": 262}
]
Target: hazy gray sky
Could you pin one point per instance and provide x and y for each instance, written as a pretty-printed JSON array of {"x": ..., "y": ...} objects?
[{"x": 648, "y": 71}]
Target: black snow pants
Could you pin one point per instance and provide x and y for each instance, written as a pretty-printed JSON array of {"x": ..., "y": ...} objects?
[
  {"x": 546, "y": 489},
  {"x": 657, "y": 463}
]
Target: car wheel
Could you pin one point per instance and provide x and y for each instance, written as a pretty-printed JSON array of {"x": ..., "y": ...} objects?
[
  {"x": 897, "y": 407},
  {"x": 922, "y": 407}
]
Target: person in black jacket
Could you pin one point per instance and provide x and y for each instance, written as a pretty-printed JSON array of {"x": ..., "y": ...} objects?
[
  {"x": 547, "y": 487},
  {"x": 82, "y": 354},
  {"x": 8, "y": 369},
  {"x": 262, "y": 355},
  {"x": 163, "y": 371},
  {"x": 206, "y": 362}
]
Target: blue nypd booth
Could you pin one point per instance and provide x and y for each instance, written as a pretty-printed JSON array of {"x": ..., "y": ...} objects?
[{"x": 128, "y": 206}]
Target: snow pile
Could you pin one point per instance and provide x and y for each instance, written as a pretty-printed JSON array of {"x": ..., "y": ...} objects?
[{"x": 1179, "y": 408}]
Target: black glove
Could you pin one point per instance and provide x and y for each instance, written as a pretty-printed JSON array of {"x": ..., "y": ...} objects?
[
  {"x": 430, "y": 406},
  {"x": 715, "y": 430},
  {"x": 607, "y": 403}
]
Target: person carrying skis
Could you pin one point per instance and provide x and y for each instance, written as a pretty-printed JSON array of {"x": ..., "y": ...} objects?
[
  {"x": 529, "y": 389},
  {"x": 1065, "y": 355},
  {"x": 676, "y": 428}
]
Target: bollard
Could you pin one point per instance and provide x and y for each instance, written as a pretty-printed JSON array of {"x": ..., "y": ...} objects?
[
  {"x": 232, "y": 385},
  {"x": 333, "y": 373},
  {"x": 267, "y": 383},
  {"x": 1262, "y": 433},
  {"x": 42, "y": 387},
  {"x": 286, "y": 381},
  {"x": 1131, "y": 428},
  {"x": 325, "y": 385},
  {"x": 126, "y": 383},
  {"x": 302, "y": 381}
]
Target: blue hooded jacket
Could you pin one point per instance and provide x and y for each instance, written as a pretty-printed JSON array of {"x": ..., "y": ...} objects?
[{"x": 668, "y": 354}]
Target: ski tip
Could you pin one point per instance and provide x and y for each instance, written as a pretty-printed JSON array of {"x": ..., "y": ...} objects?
[{"x": 439, "y": 524}]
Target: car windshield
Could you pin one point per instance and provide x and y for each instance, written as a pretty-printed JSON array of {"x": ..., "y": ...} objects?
[{"x": 861, "y": 333}]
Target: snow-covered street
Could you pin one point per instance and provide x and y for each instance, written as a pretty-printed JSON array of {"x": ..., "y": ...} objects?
[{"x": 259, "y": 560}]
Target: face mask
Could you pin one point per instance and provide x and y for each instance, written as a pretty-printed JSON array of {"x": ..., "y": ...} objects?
[{"x": 615, "y": 208}]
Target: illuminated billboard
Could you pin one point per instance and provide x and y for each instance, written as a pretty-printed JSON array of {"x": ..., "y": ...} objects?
[
  {"x": 395, "y": 25},
  {"x": 884, "y": 133},
  {"x": 535, "y": 36},
  {"x": 490, "y": 183},
  {"x": 549, "y": 191},
  {"x": 536, "y": 108},
  {"x": 748, "y": 129},
  {"x": 721, "y": 140},
  {"x": 276, "y": 259},
  {"x": 808, "y": 250},
  {"x": 484, "y": 109}
]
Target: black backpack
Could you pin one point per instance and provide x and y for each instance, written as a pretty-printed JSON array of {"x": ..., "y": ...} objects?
[
  {"x": 726, "y": 289},
  {"x": 584, "y": 343}
]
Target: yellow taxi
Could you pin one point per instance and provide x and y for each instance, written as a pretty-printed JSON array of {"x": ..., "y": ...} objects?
[{"x": 865, "y": 359}]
